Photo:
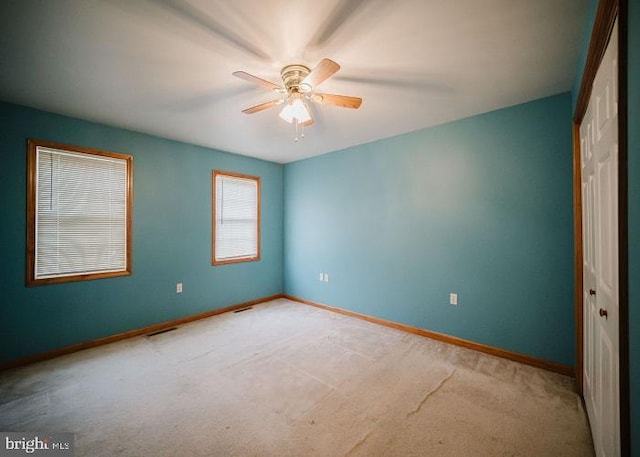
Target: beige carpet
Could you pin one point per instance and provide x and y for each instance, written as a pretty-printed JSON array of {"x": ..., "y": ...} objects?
[{"x": 286, "y": 379}]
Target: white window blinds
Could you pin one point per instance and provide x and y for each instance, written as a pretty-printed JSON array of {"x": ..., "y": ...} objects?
[
  {"x": 80, "y": 213},
  {"x": 236, "y": 218}
]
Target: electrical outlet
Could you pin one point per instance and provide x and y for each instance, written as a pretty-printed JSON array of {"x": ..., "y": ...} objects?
[
  {"x": 321, "y": 277},
  {"x": 326, "y": 277},
  {"x": 453, "y": 299},
  {"x": 179, "y": 288}
]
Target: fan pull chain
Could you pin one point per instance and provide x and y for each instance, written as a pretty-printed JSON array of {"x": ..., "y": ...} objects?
[{"x": 299, "y": 130}]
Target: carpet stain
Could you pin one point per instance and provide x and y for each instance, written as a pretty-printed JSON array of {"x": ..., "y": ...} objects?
[{"x": 428, "y": 394}]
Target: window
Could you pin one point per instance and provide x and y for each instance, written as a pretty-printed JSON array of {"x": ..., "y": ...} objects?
[
  {"x": 236, "y": 218},
  {"x": 78, "y": 213}
]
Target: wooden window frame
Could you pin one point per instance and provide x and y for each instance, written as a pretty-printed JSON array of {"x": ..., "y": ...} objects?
[
  {"x": 214, "y": 174},
  {"x": 32, "y": 146}
]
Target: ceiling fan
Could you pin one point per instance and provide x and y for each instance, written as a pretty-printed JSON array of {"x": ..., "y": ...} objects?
[{"x": 298, "y": 86}]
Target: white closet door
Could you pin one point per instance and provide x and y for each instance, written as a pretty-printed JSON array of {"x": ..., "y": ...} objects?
[{"x": 599, "y": 161}]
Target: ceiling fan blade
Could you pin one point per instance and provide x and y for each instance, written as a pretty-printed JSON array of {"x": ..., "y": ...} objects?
[
  {"x": 262, "y": 106},
  {"x": 342, "y": 101},
  {"x": 254, "y": 79},
  {"x": 308, "y": 123},
  {"x": 323, "y": 70}
]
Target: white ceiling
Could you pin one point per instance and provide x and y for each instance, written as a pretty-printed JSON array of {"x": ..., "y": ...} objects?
[{"x": 164, "y": 66}]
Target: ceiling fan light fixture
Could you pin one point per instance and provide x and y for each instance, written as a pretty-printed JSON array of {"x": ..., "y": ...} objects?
[
  {"x": 295, "y": 109},
  {"x": 305, "y": 88},
  {"x": 299, "y": 84}
]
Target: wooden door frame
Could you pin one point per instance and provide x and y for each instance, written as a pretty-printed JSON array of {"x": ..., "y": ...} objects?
[{"x": 606, "y": 14}]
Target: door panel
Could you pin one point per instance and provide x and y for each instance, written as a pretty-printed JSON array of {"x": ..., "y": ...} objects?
[{"x": 606, "y": 227}]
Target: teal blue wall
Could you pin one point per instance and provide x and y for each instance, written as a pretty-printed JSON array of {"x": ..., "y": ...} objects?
[
  {"x": 171, "y": 239},
  {"x": 634, "y": 219},
  {"x": 481, "y": 207}
]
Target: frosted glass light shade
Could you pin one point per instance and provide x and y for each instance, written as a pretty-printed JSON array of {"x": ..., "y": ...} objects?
[{"x": 295, "y": 110}]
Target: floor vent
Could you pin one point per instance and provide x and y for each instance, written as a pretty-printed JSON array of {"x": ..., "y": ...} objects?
[
  {"x": 243, "y": 309},
  {"x": 162, "y": 331}
]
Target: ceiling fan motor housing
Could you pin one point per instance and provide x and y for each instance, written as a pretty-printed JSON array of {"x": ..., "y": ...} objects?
[{"x": 292, "y": 76}]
